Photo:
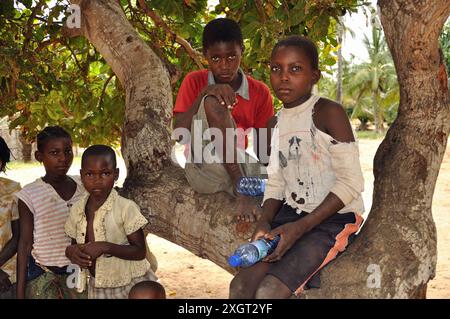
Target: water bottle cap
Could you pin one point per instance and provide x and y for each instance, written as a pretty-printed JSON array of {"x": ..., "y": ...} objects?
[{"x": 234, "y": 260}]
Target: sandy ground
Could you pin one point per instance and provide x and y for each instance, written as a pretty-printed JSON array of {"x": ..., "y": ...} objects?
[{"x": 185, "y": 275}]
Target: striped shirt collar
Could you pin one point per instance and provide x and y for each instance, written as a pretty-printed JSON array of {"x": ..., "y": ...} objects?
[{"x": 243, "y": 89}]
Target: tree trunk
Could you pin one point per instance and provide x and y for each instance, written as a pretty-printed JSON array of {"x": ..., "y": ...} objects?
[
  {"x": 399, "y": 238},
  {"x": 26, "y": 148},
  {"x": 146, "y": 133},
  {"x": 340, "y": 62},
  {"x": 377, "y": 113}
]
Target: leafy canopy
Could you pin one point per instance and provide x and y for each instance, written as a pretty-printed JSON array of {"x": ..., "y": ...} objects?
[{"x": 48, "y": 79}]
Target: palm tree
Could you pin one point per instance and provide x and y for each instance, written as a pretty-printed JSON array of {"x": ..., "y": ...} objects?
[
  {"x": 340, "y": 37},
  {"x": 341, "y": 31},
  {"x": 376, "y": 79}
]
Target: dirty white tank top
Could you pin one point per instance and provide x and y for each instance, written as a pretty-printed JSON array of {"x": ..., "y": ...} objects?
[{"x": 301, "y": 163}]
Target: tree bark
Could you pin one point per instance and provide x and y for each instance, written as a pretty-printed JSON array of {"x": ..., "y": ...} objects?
[
  {"x": 377, "y": 114},
  {"x": 340, "y": 62},
  {"x": 399, "y": 237},
  {"x": 146, "y": 140},
  {"x": 26, "y": 149}
]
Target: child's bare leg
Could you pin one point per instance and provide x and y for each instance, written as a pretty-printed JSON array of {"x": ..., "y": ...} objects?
[
  {"x": 272, "y": 288},
  {"x": 218, "y": 116},
  {"x": 247, "y": 281}
]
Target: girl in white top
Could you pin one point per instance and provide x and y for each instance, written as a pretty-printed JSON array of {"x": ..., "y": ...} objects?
[
  {"x": 43, "y": 208},
  {"x": 313, "y": 195}
]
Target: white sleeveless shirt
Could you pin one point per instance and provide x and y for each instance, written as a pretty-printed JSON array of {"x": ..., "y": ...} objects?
[{"x": 306, "y": 164}]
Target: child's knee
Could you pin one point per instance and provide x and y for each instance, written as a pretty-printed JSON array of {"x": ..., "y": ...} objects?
[
  {"x": 238, "y": 288},
  {"x": 266, "y": 291},
  {"x": 272, "y": 288}
]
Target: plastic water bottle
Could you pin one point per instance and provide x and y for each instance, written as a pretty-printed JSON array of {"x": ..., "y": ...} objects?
[
  {"x": 251, "y": 186},
  {"x": 249, "y": 254}
]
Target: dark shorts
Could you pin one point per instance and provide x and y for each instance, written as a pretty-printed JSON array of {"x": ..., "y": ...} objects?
[{"x": 299, "y": 268}]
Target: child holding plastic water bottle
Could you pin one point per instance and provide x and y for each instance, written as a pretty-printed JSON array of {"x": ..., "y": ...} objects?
[{"x": 312, "y": 199}]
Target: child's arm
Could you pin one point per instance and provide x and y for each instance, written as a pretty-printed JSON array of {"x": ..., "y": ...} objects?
[
  {"x": 136, "y": 249},
  {"x": 7, "y": 252},
  {"x": 10, "y": 249},
  {"x": 26, "y": 225},
  {"x": 273, "y": 194}
]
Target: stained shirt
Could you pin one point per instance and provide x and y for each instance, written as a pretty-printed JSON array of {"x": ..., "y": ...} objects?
[{"x": 307, "y": 164}]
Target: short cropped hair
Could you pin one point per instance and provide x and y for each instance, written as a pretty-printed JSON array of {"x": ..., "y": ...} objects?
[
  {"x": 302, "y": 43},
  {"x": 99, "y": 150},
  {"x": 48, "y": 133},
  {"x": 5, "y": 154},
  {"x": 147, "y": 288},
  {"x": 222, "y": 30}
]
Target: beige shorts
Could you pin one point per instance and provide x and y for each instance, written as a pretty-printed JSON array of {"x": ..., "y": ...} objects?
[
  {"x": 117, "y": 292},
  {"x": 209, "y": 178}
]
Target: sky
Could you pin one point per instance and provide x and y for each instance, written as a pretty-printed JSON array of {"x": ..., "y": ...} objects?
[{"x": 360, "y": 25}]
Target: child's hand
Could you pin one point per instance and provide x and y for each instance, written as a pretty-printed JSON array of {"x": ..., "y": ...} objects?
[
  {"x": 224, "y": 93},
  {"x": 262, "y": 228},
  {"x": 95, "y": 249},
  {"x": 289, "y": 234},
  {"x": 5, "y": 283},
  {"x": 77, "y": 256}
]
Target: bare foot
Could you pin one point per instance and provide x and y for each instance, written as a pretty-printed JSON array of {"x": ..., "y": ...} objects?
[
  {"x": 248, "y": 209},
  {"x": 242, "y": 228}
]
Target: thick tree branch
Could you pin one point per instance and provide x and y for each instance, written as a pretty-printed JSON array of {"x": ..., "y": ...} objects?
[
  {"x": 71, "y": 32},
  {"x": 174, "y": 71},
  {"x": 195, "y": 55},
  {"x": 203, "y": 224}
]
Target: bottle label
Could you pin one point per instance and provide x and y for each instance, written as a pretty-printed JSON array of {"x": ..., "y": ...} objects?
[{"x": 263, "y": 248}]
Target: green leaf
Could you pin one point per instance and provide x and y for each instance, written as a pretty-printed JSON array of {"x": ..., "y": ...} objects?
[
  {"x": 249, "y": 30},
  {"x": 7, "y": 8},
  {"x": 17, "y": 122}
]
